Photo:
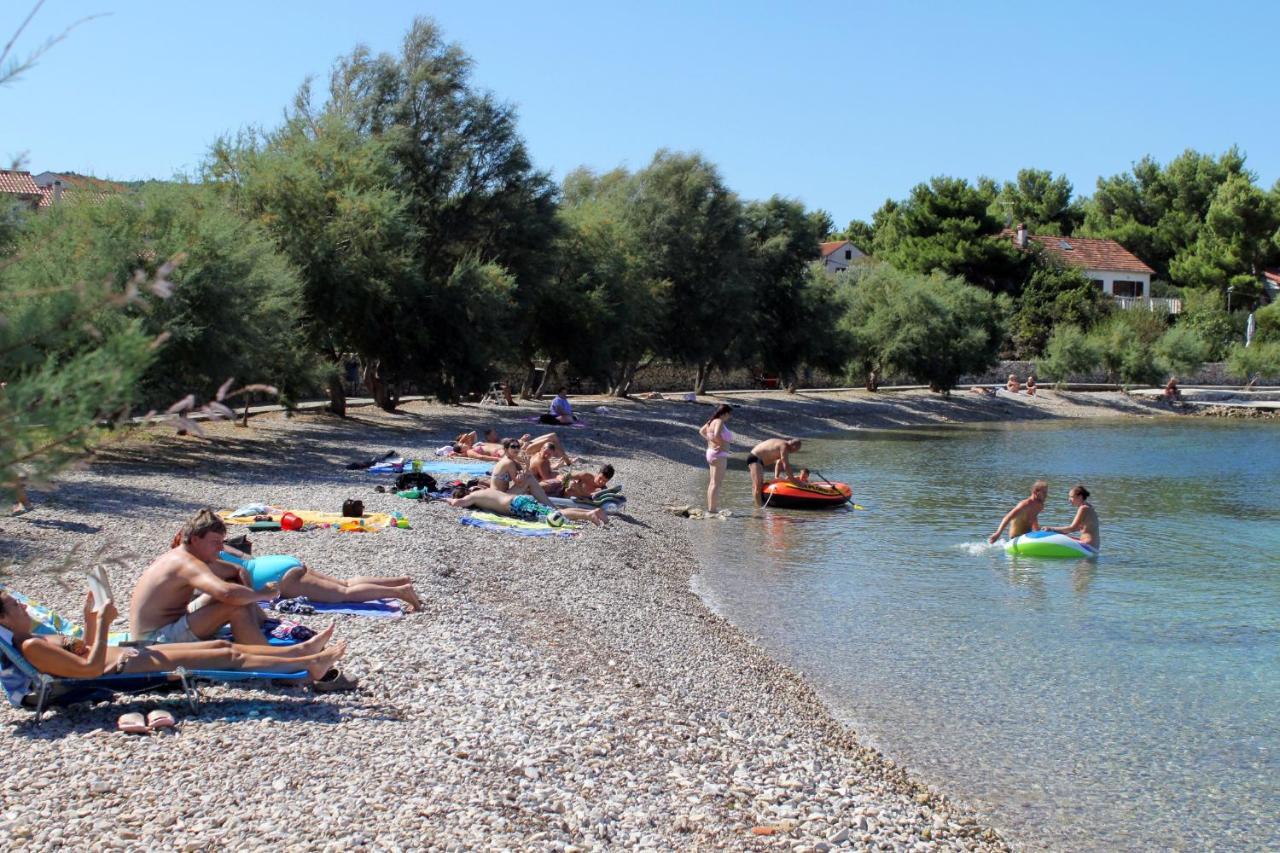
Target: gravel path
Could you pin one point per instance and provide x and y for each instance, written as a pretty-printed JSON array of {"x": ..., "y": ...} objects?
[{"x": 554, "y": 694}]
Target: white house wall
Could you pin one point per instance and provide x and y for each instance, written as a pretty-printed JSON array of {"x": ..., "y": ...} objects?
[{"x": 1108, "y": 278}]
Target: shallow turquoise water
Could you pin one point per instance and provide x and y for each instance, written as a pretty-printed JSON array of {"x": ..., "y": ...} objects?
[{"x": 1128, "y": 702}]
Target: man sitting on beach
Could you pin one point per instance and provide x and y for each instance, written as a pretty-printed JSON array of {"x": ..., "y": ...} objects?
[
  {"x": 561, "y": 411},
  {"x": 581, "y": 485},
  {"x": 1025, "y": 516},
  {"x": 775, "y": 452},
  {"x": 526, "y": 508},
  {"x": 159, "y": 609}
]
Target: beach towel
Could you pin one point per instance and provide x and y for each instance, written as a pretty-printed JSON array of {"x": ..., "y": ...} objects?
[
  {"x": 453, "y": 465},
  {"x": 371, "y": 521},
  {"x": 514, "y": 526},
  {"x": 537, "y": 419},
  {"x": 380, "y": 608}
]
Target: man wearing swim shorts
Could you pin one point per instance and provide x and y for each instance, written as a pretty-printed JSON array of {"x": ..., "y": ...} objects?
[
  {"x": 774, "y": 453},
  {"x": 159, "y": 610},
  {"x": 524, "y": 507}
]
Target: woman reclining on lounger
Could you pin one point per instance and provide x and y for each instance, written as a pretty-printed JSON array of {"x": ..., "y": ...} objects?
[{"x": 66, "y": 657}]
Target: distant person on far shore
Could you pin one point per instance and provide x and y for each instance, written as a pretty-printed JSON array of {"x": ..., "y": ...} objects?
[
  {"x": 718, "y": 439},
  {"x": 1024, "y": 517},
  {"x": 1012, "y": 386},
  {"x": 561, "y": 411},
  {"x": 1031, "y": 385},
  {"x": 1086, "y": 521},
  {"x": 1171, "y": 393}
]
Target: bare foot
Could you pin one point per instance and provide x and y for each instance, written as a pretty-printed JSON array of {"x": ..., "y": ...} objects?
[
  {"x": 315, "y": 644},
  {"x": 324, "y": 661},
  {"x": 599, "y": 518},
  {"x": 410, "y": 597}
]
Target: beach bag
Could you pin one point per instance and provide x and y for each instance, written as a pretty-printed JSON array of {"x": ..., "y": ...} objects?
[
  {"x": 353, "y": 508},
  {"x": 416, "y": 480}
]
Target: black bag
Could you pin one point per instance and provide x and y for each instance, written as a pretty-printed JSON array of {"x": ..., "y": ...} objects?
[
  {"x": 352, "y": 508},
  {"x": 416, "y": 480},
  {"x": 241, "y": 543}
]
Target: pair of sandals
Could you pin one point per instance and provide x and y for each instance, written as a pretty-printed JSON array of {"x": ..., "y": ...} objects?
[{"x": 134, "y": 723}]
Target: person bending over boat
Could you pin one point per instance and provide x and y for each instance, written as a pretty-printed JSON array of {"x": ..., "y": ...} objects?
[
  {"x": 775, "y": 452},
  {"x": 1086, "y": 521},
  {"x": 524, "y": 507},
  {"x": 91, "y": 657},
  {"x": 1025, "y": 516}
]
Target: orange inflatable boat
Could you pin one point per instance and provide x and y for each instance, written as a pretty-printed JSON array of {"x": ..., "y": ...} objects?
[{"x": 784, "y": 495}]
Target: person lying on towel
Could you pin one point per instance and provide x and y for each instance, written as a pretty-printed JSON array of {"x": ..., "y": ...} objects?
[
  {"x": 526, "y": 507},
  {"x": 294, "y": 578},
  {"x": 91, "y": 657},
  {"x": 582, "y": 485}
]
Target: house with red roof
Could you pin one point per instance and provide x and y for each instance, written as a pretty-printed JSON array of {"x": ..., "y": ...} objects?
[
  {"x": 838, "y": 254},
  {"x": 1112, "y": 268},
  {"x": 17, "y": 186}
]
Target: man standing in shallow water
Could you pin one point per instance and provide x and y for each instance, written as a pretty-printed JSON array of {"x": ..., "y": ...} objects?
[{"x": 1025, "y": 516}]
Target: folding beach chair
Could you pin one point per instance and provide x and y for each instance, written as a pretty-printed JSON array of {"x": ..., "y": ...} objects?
[{"x": 27, "y": 687}]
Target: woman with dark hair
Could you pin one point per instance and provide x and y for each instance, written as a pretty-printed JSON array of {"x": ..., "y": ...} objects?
[
  {"x": 718, "y": 439},
  {"x": 1086, "y": 520}
]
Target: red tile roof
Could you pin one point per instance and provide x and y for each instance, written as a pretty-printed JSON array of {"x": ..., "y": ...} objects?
[
  {"x": 19, "y": 183},
  {"x": 88, "y": 182},
  {"x": 1272, "y": 276},
  {"x": 828, "y": 248},
  {"x": 1088, "y": 253}
]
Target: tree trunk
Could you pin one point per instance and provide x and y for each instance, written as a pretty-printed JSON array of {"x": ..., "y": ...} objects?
[
  {"x": 873, "y": 380},
  {"x": 530, "y": 376},
  {"x": 551, "y": 365},
  {"x": 792, "y": 382},
  {"x": 377, "y": 387},
  {"x": 700, "y": 383},
  {"x": 626, "y": 375},
  {"x": 337, "y": 394}
]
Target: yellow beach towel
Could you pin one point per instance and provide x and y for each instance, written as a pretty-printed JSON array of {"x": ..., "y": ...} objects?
[{"x": 370, "y": 521}]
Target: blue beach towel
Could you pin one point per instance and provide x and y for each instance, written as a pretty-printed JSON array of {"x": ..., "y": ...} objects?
[
  {"x": 438, "y": 466},
  {"x": 382, "y": 608}
]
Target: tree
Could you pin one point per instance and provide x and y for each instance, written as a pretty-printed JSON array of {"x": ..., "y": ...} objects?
[
  {"x": 1268, "y": 324},
  {"x": 604, "y": 309},
  {"x": 1055, "y": 295},
  {"x": 1040, "y": 201},
  {"x": 934, "y": 328},
  {"x": 859, "y": 233},
  {"x": 1181, "y": 350},
  {"x": 946, "y": 226},
  {"x": 1203, "y": 312},
  {"x": 472, "y": 195},
  {"x": 792, "y": 321},
  {"x": 1157, "y": 212},
  {"x": 1258, "y": 361},
  {"x": 1237, "y": 240},
  {"x": 689, "y": 229},
  {"x": 1069, "y": 352},
  {"x": 1126, "y": 345},
  {"x": 329, "y": 198}
]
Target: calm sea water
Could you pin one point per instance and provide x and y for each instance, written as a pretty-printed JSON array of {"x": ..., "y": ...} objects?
[{"x": 1128, "y": 702}]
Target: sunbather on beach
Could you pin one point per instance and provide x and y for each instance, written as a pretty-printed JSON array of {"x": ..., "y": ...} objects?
[
  {"x": 469, "y": 439},
  {"x": 549, "y": 443},
  {"x": 509, "y": 475},
  {"x": 91, "y": 657},
  {"x": 295, "y": 578},
  {"x": 525, "y": 507},
  {"x": 159, "y": 610},
  {"x": 582, "y": 485},
  {"x": 1025, "y": 516}
]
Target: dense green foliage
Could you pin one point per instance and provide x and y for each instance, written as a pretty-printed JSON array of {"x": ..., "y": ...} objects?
[
  {"x": 1069, "y": 352},
  {"x": 935, "y": 328}
]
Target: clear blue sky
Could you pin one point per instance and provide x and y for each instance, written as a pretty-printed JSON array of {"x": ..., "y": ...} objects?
[{"x": 838, "y": 105}]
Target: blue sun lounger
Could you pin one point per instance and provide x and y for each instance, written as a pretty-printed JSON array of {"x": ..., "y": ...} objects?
[{"x": 27, "y": 687}]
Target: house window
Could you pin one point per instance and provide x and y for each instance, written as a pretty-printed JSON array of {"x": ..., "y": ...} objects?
[
  {"x": 848, "y": 254},
  {"x": 1126, "y": 288}
]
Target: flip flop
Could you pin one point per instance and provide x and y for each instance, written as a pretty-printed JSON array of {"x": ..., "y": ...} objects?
[
  {"x": 160, "y": 719},
  {"x": 132, "y": 723},
  {"x": 335, "y": 681}
]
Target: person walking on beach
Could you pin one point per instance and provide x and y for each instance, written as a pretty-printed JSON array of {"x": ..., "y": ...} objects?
[
  {"x": 1086, "y": 521},
  {"x": 1026, "y": 515},
  {"x": 718, "y": 439},
  {"x": 774, "y": 452}
]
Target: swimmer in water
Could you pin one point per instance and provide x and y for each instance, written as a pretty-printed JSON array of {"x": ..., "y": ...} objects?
[
  {"x": 1085, "y": 522},
  {"x": 1024, "y": 517}
]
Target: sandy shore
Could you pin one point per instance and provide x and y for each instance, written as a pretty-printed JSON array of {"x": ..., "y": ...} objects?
[{"x": 554, "y": 694}]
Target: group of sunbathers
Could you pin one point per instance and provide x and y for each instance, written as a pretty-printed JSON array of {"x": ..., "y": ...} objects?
[
  {"x": 525, "y": 479},
  {"x": 191, "y": 596}
]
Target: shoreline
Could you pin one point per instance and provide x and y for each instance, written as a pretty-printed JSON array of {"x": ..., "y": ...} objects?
[{"x": 555, "y": 693}]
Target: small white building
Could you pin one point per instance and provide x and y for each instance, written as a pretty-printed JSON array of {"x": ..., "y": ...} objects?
[
  {"x": 838, "y": 254},
  {"x": 1112, "y": 268}
]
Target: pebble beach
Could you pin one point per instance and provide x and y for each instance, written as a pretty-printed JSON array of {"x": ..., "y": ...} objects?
[{"x": 553, "y": 694}]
